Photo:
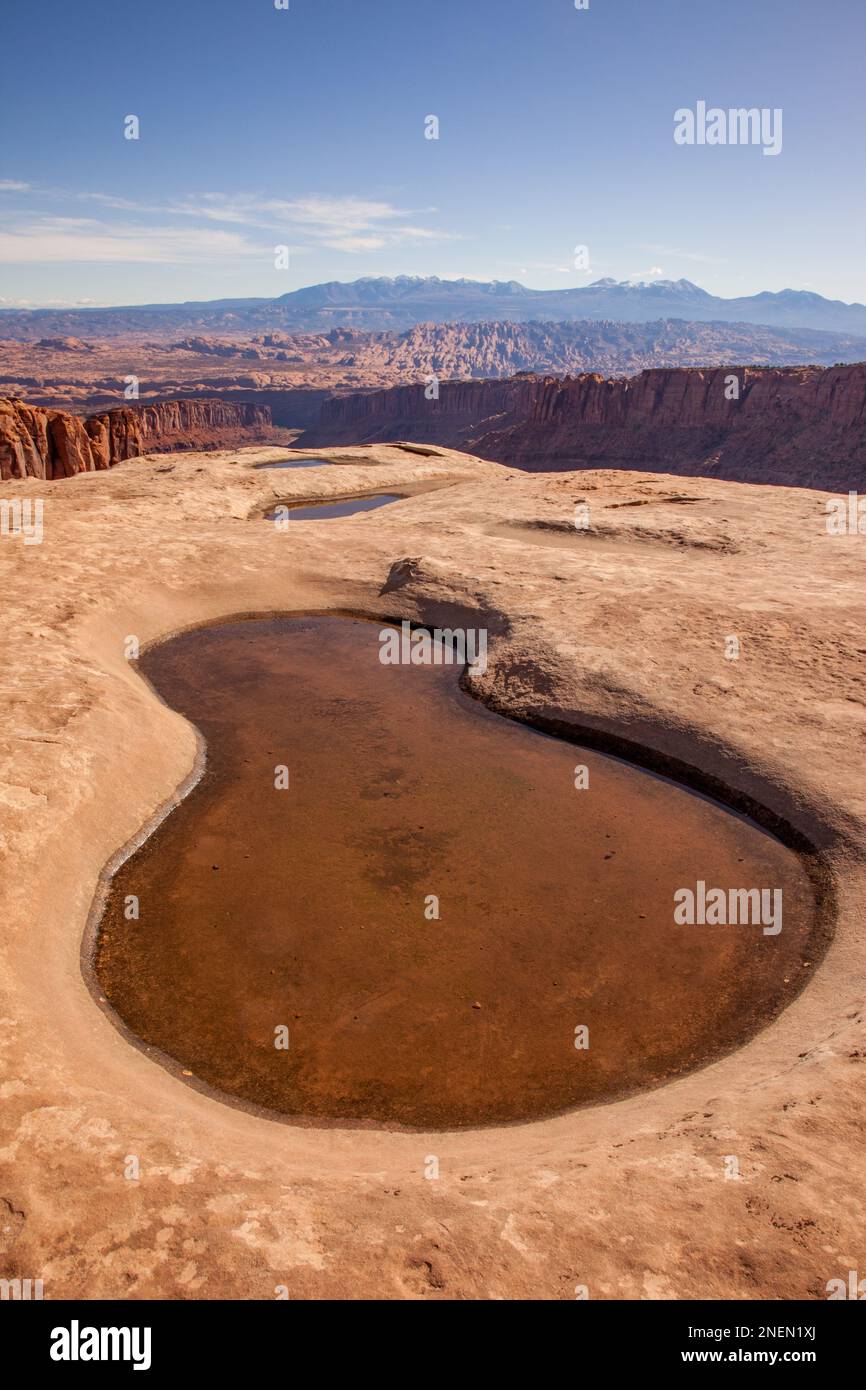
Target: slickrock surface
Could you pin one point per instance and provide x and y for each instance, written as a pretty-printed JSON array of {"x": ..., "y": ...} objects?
[
  {"x": 618, "y": 631},
  {"x": 799, "y": 426},
  {"x": 39, "y": 443}
]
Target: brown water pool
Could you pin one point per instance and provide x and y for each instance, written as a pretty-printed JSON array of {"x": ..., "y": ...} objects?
[{"x": 310, "y": 908}]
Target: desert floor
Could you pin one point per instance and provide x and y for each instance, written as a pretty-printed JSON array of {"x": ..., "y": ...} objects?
[{"x": 617, "y": 632}]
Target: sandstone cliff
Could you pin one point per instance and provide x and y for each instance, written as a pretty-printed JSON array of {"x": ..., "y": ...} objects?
[
  {"x": 41, "y": 443},
  {"x": 803, "y": 426}
]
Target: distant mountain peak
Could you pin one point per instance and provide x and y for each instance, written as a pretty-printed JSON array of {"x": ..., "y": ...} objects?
[
  {"x": 425, "y": 281},
  {"x": 680, "y": 287},
  {"x": 380, "y": 303}
]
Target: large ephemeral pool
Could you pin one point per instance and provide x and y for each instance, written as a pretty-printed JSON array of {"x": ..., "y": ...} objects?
[{"x": 287, "y": 949}]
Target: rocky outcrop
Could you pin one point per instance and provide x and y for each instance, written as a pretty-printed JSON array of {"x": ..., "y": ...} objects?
[
  {"x": 37, "y": 443},
  {"x": 285, "y": 371},
  {"x": 64, "y": 345},
  {"x": 802, "y": 426},
  {"x": 483, "y": 350}
]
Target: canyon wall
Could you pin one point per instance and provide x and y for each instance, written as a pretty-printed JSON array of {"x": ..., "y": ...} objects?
[
  {"x": 800, "y": 426},
  {"x": 38, "y": 443},
  {"x": 461, "y": 410}
]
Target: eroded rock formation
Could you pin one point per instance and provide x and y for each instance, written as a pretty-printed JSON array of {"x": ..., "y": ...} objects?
[
  {"x": 37, "y": 443},
  {"x": 294, "y": 372}
]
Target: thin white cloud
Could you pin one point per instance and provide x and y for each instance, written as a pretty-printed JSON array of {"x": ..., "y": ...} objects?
[
  {"x": 545, "y": 268},
  {"x": 83, "y": 239},
  {"x": 49, "y": 303},
  {"x": 677, "y": 253},
  {"x": 349, "y": 224},
  {"x": 343, "y": 224},
  {"x": 356, "y": 244},
  {"x": 13, "y": 186}
]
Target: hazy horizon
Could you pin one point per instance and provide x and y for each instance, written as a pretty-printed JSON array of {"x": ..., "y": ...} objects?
[{"x": 396, "y": 276}]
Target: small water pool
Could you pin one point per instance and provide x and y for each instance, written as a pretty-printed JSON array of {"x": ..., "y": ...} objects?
[
  {"x": 297, "y": 463},
  {"x": 342, "y": 506}
]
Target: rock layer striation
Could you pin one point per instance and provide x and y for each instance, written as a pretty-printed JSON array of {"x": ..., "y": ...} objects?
[{"x": 37, "y": 443}]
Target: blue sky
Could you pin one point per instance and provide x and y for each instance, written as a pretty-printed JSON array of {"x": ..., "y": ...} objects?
[{"x": 305, "y": 128}]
